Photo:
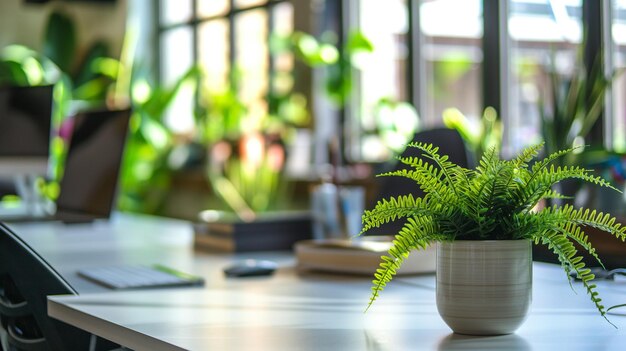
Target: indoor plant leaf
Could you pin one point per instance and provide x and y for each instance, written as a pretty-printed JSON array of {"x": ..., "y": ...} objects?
[{"x": 60, "y": 41}]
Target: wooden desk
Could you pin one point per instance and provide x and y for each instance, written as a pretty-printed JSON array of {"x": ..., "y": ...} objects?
[{"x": 290, "y": 310}]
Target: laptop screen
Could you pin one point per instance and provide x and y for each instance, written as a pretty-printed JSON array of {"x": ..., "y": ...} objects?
[
  {"x": 25, "y": 115},
  {"x": 93, "y": 163}
]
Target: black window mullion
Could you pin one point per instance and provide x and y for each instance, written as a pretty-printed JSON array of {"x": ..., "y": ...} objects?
[
  {"x": 592, "y": 53},
  {"x": 495, "y": 68},
  {"x": 232, "y": 54},
  {"x": 416, "y": 67},
  {"x": 492, "y": 60}
]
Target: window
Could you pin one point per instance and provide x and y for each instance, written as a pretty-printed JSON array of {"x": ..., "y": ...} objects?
[
  {"x": 453, "y": 56},
  {"x": 424, "y": 54},
  {"x": 383, "y": 77},
  {"x": 427, "y": 53},
  {"x": 229, "y": 41},
  {"x": 617, "y": 43},
  {"x": 544, "y": 36}
]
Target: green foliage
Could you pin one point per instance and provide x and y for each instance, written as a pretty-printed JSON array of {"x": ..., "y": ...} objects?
[
  {"x": 479, "y": 137},
  {"x": 573, "y": 105},
  {"x": 495, "y": 201},
  {"x": 147, "y": 168},
  {"x": 89, "y": 77},
  {"x": 447, "y": 71},
  {"x": 396, "y": 122},
  {"x": 60, "y": 40},
  {"x": 339, "y": 61},
  {"x": 247, "y": 149}
]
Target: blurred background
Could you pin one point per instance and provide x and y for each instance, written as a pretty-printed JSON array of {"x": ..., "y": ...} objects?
[{"x": 247, "y": 105}]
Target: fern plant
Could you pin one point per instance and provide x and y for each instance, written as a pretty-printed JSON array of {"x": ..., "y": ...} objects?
[{"x": 495, "y": 201}]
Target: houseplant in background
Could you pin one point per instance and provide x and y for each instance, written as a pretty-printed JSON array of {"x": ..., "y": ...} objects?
[
  {"x": 573, "y": 107},
  {"x": 247, "y": 151},
  {"x": 339, "y": 62},
  {"x": 484, "y": 221},
  {"x": 480, "y": 135},
  {"x": 92, "y": 78},
  {"x": 148, "y": 165},
  {"x": 80, "y": 80}
]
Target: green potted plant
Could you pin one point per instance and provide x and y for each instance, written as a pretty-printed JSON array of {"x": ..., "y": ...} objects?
[{"x": 484, "y": 221}]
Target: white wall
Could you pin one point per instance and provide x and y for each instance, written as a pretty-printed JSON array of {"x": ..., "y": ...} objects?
[{"x": 22, "y": 23}]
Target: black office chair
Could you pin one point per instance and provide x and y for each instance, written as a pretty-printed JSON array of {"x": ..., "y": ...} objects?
[
  {"x": 25, "y": 281},
  {"x": 449, "y": 142}
]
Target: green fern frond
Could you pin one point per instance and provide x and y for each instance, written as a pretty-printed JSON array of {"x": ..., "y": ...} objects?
[
  {"x": 427, "y": 179},
  {"x": 570, "y": 260},
  {"x": 592, "y": 218},
  {"x": 539, "y": 165},
  {"x": 559, "y": 220},
  {"x": 487, "y": 161},
  {"x": 388, "y": 268},
  {"x": 526, "y": 156},
  {"x": 541, "y": 183},
  {"x": 575, "y": 233},
  {"x": 417, "y": 234},
  {"x": 551, "y": 194},
  {"x": 446, "y": 167},
  {"x": 558, "y": 174},
  {"x": 388, "y": 210}
]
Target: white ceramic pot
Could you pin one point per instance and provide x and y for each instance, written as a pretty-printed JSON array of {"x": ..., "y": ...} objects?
[{"x": 484, "y": 287}]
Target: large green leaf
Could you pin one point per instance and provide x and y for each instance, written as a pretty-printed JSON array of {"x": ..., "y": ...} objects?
[
  {"x": 12, "y": 73},
  {"x": 60, "y": 41},
  {"x": 86, "y": 69}
]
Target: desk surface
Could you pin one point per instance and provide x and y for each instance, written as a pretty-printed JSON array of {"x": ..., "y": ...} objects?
[{"x": 290, "y": 310}]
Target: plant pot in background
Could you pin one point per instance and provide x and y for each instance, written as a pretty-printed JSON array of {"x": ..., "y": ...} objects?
[{"x": 484, "y": 287}]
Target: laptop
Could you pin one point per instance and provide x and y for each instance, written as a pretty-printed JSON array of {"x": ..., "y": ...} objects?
[{"x": 88, "y": 186}]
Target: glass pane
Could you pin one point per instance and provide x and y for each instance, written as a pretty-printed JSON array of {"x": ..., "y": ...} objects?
[
  {"x": 383, "y": 74},
  {"x": 252, "y": 62},
  {"x": 249, "y": 3},
  {"x": 283, "y": 61},
  {"x": 619, "y": 85},
  {"x": 543, "y": 34},
  {"x": 213, "y": 52},
  {"x": 210, "y": 8},
  {"x": 283, "y": 19},
  {"x": 177, "y": 58},
  {"x": 453, "y": 55},
  {"x": 175, "y": 11}
]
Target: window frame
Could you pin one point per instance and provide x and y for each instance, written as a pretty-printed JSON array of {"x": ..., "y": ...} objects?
[{"x": 339, "y": 16}]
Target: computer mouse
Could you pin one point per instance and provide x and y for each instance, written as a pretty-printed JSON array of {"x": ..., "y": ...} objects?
[{"x": 250, "y": 268}]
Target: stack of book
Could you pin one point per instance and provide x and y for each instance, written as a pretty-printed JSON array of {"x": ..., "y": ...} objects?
[{"x": 267, "y": 232}]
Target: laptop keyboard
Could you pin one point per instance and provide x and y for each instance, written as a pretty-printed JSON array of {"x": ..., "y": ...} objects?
[{"x": 139, "y": 277}]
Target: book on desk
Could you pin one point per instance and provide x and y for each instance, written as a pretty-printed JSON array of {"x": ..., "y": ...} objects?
[
  {"x": 268, "y": 232},
  {"x": 358, "y": 256}
]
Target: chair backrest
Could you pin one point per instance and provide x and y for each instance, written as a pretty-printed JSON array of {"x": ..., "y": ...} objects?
[
  {"x": 449, "y": 142},
  {"x": 25, "y": 281}
]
